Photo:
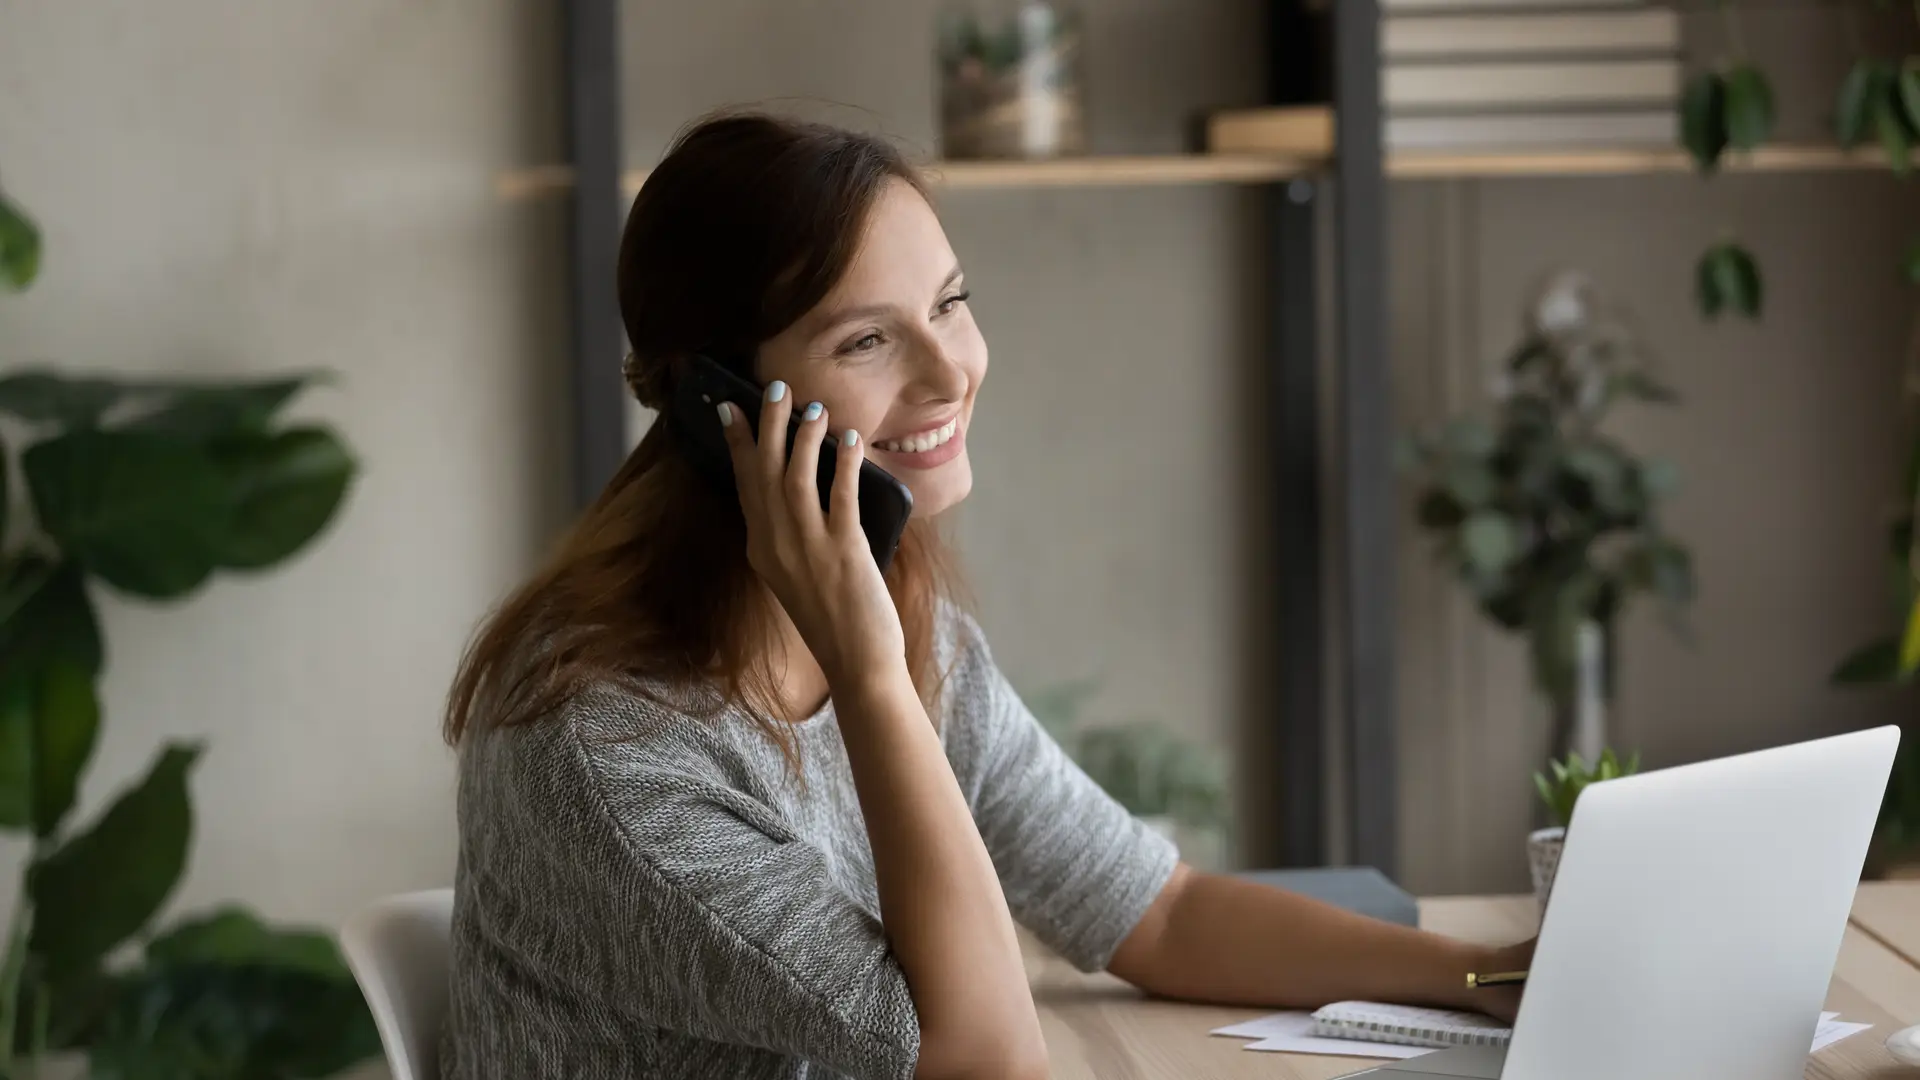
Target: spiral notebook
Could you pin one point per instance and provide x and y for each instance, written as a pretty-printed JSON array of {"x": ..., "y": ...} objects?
[{"x": 1405, "y": 1025}]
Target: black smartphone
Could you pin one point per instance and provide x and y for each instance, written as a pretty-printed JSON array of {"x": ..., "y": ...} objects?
[{"x": 885, "y": 502}]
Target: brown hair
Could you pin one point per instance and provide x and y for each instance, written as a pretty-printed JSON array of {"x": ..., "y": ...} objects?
[{"x": 743, "y": 228}]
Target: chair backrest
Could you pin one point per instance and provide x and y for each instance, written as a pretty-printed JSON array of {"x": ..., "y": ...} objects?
[{"x": 397, "y": 948}]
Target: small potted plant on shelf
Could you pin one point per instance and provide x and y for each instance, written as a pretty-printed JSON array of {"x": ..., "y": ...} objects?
[{"x": 1560, "y": 792}]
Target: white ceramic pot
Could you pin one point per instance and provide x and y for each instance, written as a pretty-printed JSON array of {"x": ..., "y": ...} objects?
[{"x": 1543, "y": 860}]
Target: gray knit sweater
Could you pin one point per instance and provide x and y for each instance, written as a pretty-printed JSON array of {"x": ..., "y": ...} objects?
[{"x": 644, "y": 893}]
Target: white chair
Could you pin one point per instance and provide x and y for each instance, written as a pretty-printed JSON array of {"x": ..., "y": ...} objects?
[{"x": 397, "y": 948}]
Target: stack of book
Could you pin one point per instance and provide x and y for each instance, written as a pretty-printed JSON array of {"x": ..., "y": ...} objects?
[{"x": 1483, "y": 75}]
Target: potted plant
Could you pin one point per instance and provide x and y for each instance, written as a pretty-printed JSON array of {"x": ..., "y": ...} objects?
[
  {"x": 1559, "y": 792},
  {"x": 1177, "y": 786},
  {"x": 1550, "y": 522},
  {"x": 147, "y": 488}
]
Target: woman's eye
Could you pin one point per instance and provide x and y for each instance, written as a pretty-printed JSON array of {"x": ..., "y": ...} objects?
[
  {"x": 954, "y": 301},
  {"x": 864, "y": 343}
]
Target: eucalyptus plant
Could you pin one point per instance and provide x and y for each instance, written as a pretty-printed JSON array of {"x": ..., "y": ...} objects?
[
  {"x": 147, "y": 488},
  {"x": 1548, "y": 520}
]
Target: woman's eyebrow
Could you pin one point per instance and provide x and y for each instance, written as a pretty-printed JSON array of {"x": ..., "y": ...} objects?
[{"x": 840, "y": 315}]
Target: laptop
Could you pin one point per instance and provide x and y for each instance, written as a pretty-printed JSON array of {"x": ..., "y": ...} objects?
[{"x": 1695, "y": 921}]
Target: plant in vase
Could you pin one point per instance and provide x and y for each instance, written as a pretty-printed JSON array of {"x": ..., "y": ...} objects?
[
  {"x": 1559, "y": 793},
  {"x": 1176, "y": 785},
  {"x": 1550, "y": 522},
  {"x": 147, "y": 488},
  {"x": 1010, "y": 79}
]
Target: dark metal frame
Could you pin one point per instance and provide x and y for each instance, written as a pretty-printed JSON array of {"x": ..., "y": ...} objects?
[
  {"x": 1366, "y": 439},
  {"x": 592, "y": 70},
  {"x": 1302, "y": 37}
]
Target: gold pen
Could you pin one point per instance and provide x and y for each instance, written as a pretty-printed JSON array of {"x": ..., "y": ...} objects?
[{"x": 1497, "y": 978}]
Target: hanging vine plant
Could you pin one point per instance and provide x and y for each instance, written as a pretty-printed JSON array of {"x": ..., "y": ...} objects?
[{"x": 1730, "y": 109}]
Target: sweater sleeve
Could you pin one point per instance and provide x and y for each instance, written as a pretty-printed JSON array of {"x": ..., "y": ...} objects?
[
  {"x": 718, "y": 924},
  {"x": 1077, "y": 869}
]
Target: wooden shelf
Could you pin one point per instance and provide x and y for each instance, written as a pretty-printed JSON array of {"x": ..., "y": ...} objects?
[
  {"x": 1094, "y": 171},
  {"x": 1149, "y": 171},
  {"x": 1440, "y": 165}
]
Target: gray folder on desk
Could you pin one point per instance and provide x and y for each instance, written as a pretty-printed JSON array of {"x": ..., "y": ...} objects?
[{"x": 1356, "y": 888}]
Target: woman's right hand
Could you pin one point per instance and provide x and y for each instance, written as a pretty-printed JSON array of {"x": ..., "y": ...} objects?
[{"x": 816, "y": 562}]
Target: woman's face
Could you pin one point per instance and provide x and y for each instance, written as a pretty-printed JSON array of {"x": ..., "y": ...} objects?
[{"x": 893, "y": 352}]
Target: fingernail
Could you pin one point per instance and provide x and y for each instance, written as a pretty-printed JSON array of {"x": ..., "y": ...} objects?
[
  {"x": 726, "y": 415},
  {"x": 812, "y": 413},
  {"x": 850, "y": 437},
  {"x": 776, "y": 390}
]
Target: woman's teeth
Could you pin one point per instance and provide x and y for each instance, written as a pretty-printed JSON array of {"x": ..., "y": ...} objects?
[{"x": 921, "y": 443}]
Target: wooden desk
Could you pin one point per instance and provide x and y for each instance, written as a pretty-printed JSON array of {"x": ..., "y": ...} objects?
[{"x": 1097, "y": 1027}]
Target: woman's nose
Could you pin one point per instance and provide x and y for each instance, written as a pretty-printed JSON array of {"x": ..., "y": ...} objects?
[{"x": 939, "y": 372}]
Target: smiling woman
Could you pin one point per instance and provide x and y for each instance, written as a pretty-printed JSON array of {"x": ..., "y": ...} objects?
[{"x": 735, "y": 803}]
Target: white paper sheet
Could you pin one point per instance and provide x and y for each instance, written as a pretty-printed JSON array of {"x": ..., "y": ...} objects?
[
  {"x": 1288, "y": 1033},
  {"x": 1832, "y": 1030}
]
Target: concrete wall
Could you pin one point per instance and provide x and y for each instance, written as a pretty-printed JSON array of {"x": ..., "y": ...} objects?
[{"x": 240, "y": 189}]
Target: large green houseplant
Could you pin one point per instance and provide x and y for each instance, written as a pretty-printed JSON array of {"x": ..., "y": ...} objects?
[{"x": 147, "y": 488}]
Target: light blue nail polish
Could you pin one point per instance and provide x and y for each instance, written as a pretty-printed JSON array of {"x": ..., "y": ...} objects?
[
  {"x": 812, "y": 413},
  {"x": 850, "y": 437},
  {"x": 726, "y": 415},
  {"x": 776, "y": 390}
]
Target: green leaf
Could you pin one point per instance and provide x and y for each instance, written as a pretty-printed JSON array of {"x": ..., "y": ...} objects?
[
  {"x": 223, "y": 1023},
  {"x": 288, "y": 487},
  {"x": 1703, "y": 119},
  {"x": 1729, "y": 279},
  {"x": 1439, "y": 511},
  {"x": 19, "y": 247},
  {"x": 1489, "y": 541},
  {"x": 1909, "y": 91},
  {"x": 147, "y": 513},
  {"x": 1749, "y": 107},
  {"x": 43, "y": 397},
  {"x": 1469, "y": 438},
  {"x": 103, "y": 886},
  {"x": 66, "y": 723},
  {"x": 1853, "y": 112},
  {"x": 214, "y": 411},
  {"x": 50, "y": 617},
  {"x": 1870, "y": 665},
  {"x": 1708, "y": 293},
  {"x": 1910, "y": 644},
  {"x": 234, "y": 937},
  {"x": 1659, "y": 478},
  {"x": 1672, "y": 573},
  {"x": 1472, "y": 485},
  {"x": 17, "y": 692},
  {"x": 1891, "y": 126}
]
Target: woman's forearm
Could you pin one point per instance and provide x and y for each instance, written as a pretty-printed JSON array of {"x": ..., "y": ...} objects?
[
  {"x": 1232, "y": 941},
  {"x": 940, "y": 899}
]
